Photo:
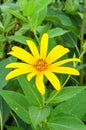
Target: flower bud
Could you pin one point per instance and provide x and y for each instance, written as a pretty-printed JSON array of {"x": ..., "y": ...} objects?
[{"x": 71, "y": 7}]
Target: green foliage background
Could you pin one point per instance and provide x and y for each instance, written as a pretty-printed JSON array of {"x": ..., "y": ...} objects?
[{"x": 21, "y": 105}]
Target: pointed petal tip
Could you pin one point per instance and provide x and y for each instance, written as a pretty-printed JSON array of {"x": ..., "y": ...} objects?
[
  {"x": 42, "y": 93},
  {"x": 58, "y": 88},
  {"x": 29, "y": 77},
  {"x": 45, "y": 37},
  {"x": 76, "y": 59},
  {"x": 77, "y": 73},
  {"x": 45, "y": 34},
  {"x": 67, "y": 49},
  {"x": 8, "y": 53},
  {"x": 28, "y": 41},
  {"x": 7, "y": 66},
  {"x": 7, "y": 77}
]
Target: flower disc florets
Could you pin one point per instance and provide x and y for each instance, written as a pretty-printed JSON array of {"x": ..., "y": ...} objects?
[{"x": 41, "y": 65}]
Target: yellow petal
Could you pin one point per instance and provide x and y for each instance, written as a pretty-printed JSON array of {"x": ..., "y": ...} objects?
[
  {"x": 16, "y": 72},
  {"x": 44, "y": 46},
  {"x": 20, "y": 65},
  {"x": 57, "y": 52},
  {"x": 65, "y": 70},
  {"x": 33, "y": 48},
  {"x": 65, "y": 61},
  {"x": 53, "y": 79},
  {"x": 40, "y": 84},
  {"x": 22, "y": 54},
  {"x": 31, "y": 75}
]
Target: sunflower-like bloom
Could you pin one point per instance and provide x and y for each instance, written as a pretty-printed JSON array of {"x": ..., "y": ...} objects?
[{"x": 41, "y": 64}]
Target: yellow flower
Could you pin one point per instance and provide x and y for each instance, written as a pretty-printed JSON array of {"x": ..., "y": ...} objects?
[{"x": 41, "y": 64}]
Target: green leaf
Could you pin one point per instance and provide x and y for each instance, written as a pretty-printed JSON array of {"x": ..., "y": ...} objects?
[
  {"x": 70, "y": 40},
  {"x": 4, "y": 111},
  {"x": 83, "y": 66},
  {"x": 59, "y": 17},
  {"x": 43, "y": 28},
  {"x": 62, "y": 19},
  {"x": 38, "y": 5},
  {"x": 8, "y": 5},
  {"x": 18, "y": 103},
  {"x": 13, "y": 85},
  {"x": 37, "y": 18},
  {"x": 17, "y": 14},
  {"x": 23, "y": 30},
  {"x": 19, "y": 38},
  {"x": 13, "y": 128},
  {"x": 65, "y": 122},
  {"x": 57, "y": 32},
  {"x": 4, "y": 71},
  {"x": 30, "y": 91},
  {"x": 75, "y": 105},
  {"x": 65, "y": 94},
  {"x": 27, "y": 9},
  {"x": 22, "y": 4},
  {"x": 1, "y": 26},
  {"x": 38, "y": 114}
]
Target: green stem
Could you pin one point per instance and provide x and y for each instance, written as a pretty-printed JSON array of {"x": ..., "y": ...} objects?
[
  {"x": 36, "y": 36},
  {"x": 1, "y": 122},
  {"x": 82, "y": 40},
  {"x": 43, "y": 100},
  {"x": 14, "y": 119},
  {"x": 66, "y": 81},
  {"x": 48, "y": 101},
  {"x": 42, "y": 124}
]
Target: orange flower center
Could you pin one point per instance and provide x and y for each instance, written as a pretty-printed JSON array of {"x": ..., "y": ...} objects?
[{"x": 40, "y": 65}]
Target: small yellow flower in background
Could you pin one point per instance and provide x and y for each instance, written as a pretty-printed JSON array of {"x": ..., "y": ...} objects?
[{"x": 41, "y": 64}]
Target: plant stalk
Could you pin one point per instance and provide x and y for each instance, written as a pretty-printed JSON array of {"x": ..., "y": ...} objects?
[
  {"x": 1, "y": 122},
  {"x": 82, "y": 40},
  {"x": 36, "y": 37},
  {"x": 14, "y": 119}
]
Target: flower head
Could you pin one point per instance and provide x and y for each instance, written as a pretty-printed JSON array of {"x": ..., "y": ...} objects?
[{"x": 41, "y": 64}]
